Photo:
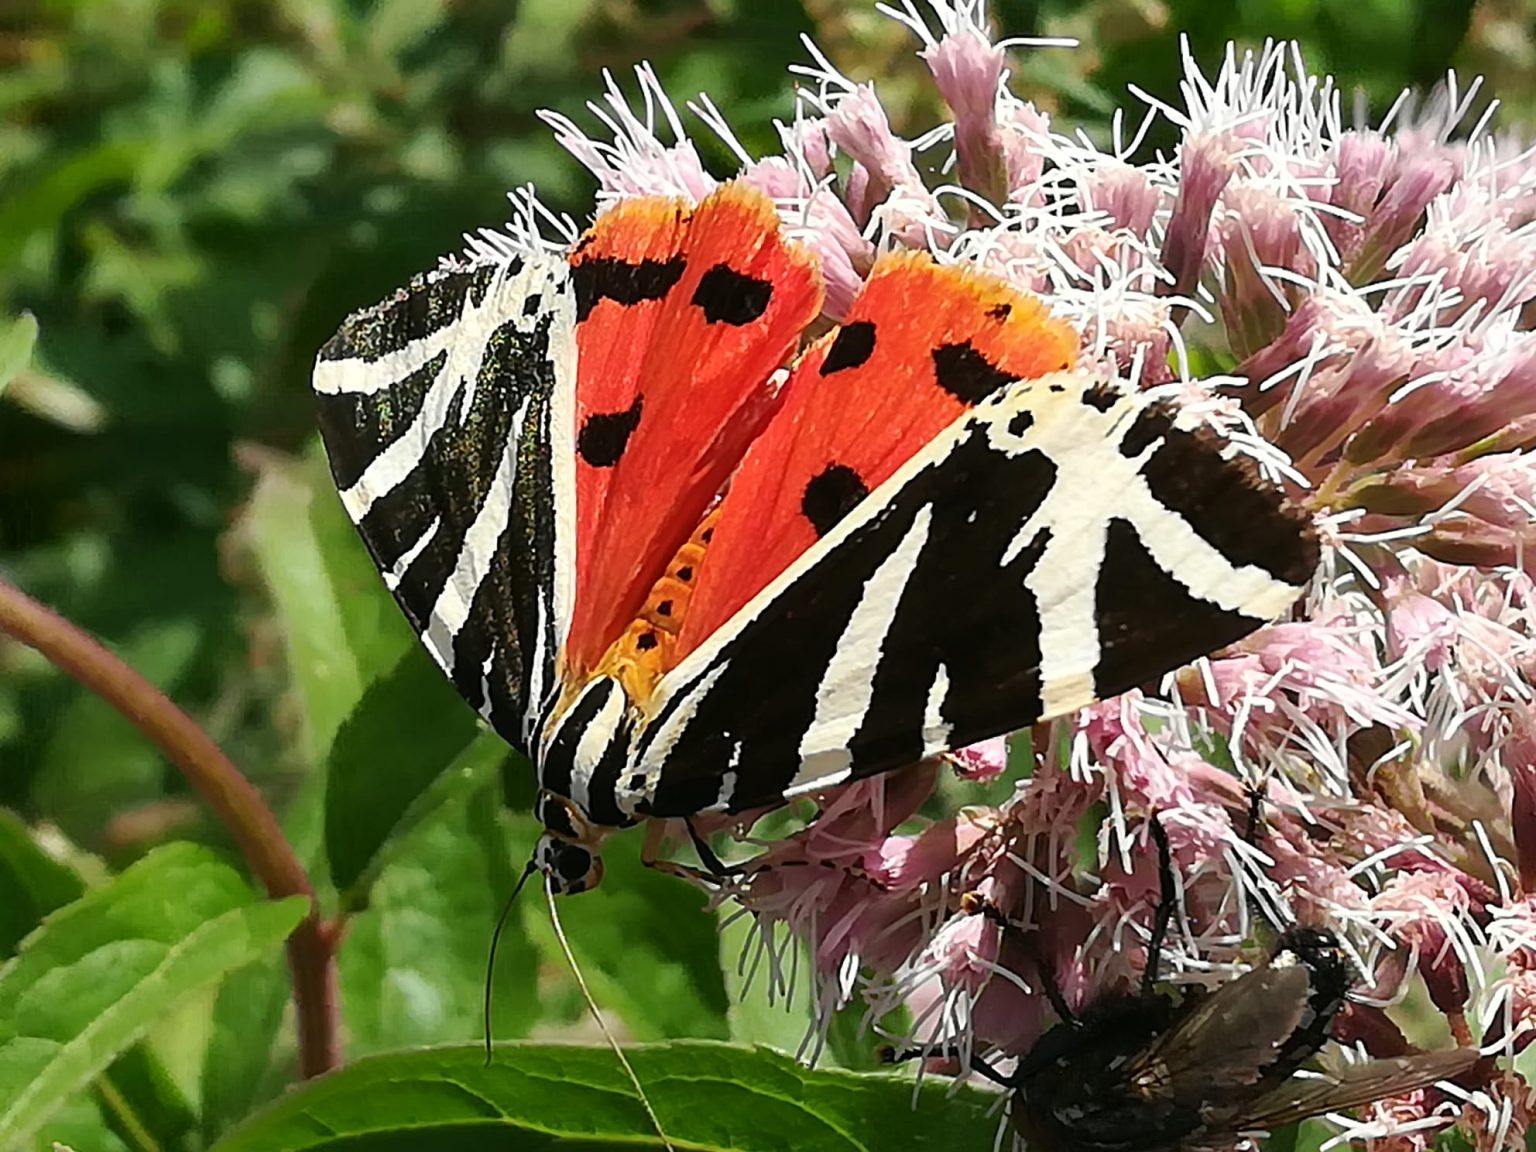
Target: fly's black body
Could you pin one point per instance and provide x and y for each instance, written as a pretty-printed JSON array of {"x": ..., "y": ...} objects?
[
  {"x": 1139, "y": 1073},
  {"x": 1147, "y": 1072}
]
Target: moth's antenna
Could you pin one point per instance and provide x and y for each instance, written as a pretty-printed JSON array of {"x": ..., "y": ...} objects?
[
  {"x": 490, "y": 963},
  {"x": 586, "y": 994}
]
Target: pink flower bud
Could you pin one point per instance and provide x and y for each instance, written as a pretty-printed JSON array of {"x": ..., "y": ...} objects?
[{"x": 1206, "y": 167}]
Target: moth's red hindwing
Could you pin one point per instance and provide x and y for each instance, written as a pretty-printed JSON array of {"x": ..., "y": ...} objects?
[
  {"x": 922, "y": 344},
  {"x": 683, "y": 316}
]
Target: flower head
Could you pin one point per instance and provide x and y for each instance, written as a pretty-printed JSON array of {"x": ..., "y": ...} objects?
[{"x": 1370, "y": 763}]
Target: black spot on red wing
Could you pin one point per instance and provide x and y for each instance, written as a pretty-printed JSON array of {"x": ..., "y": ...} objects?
[
  {"x": 830, "y": 495},
  {"x": 1000, "y": 311},
  {"x": 1101, "y": 396},
  {"x": 625, "y": 282},
  {"x": 852, "y": 346},
  {"x": 664, "y": 608},
  {"x": 605, "y": 435},
  {"x": 966, "y": 374},
  {"x": 1225, "y": 500},
  {"x": 1021, "y": 423},
  {"x": 727, "y": 296},
  {"x": 645, "y": 641},
  {"x": 707, "y": 535}
]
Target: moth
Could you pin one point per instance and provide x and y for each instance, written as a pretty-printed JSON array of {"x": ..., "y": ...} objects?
[
  {"x": 688, "y": 559},
  {"x": 1144, "y": 1073}
]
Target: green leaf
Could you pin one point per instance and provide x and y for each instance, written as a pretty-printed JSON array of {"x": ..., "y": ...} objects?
[
  {"x": 102, "y": 971},
  {"x": 16, "y": 341},
  {"x": 408, "y": 729},
  {"x": 413, "y": 963},
  {"x": 32, "y": 883},
  {"x": 707, "y": 1096},
  {"x": 136, "y": 1091},
  {"x": 339, "y": 625},
  {"x": 648, "y": 948},
  {"x": 244, "y": 1064}
]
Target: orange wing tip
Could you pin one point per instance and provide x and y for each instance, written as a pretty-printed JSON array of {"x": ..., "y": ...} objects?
[
  {"x": 749, "y": 210},
  {"x": 641, "y": 228},
  {"x": 656, "y": 227},
  {"x": 1015, "y": 330}
]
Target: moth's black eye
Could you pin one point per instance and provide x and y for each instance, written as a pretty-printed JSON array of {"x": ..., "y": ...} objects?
[{"x": 572, "y": 862}]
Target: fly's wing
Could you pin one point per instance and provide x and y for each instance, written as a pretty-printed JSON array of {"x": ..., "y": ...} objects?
[
  {"x": 1024, "y": 543},
  {"x": 1225, "y": 1039},
  {"x": 1352, "y": 1086},
  {"x": 446, "y": 414}
]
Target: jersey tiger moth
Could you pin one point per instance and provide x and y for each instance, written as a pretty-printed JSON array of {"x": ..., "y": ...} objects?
[{"x": 681, "y": 580}]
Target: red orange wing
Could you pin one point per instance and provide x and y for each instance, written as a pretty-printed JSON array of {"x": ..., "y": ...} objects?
[
  {"x": 682, "y": 318},
  {"x": 922, "y": 343}
]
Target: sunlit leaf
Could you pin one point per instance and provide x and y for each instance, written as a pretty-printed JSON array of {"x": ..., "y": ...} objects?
[
  {"x": 103, "y": 970},
  {"x": 16, "y": 340},
  {"x": 405, "y": 732},
  {"x": 707, "y": 1096}
]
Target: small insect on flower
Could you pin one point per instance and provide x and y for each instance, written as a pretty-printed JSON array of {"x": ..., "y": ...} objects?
[
  {"x": 1146, "y": 1071},
  {"x": 1142, "y": 1073}
]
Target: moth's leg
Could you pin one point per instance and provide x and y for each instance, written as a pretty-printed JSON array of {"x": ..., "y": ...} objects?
[
  {"x": 712, "y": 863},
  {"x": 713, "y": 876}
]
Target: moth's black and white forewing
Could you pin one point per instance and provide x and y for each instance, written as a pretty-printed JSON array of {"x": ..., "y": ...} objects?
[
  {"x": 1062, "y": 542},
  {"x": 446, "y": 413}
]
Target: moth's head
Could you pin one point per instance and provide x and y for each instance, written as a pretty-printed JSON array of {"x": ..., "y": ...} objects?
[
  {"x": 568, "y": 867},
  {"x": 567, "y": 853}
]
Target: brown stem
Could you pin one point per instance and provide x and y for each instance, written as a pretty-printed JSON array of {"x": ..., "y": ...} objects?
[{"x": 237, "y": 804}]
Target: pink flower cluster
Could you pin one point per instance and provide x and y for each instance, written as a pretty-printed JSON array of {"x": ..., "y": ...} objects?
[{"x": 1370, "y": 291}]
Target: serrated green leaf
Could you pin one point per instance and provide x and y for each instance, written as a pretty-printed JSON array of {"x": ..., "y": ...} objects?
[
  {"x": 101, "y": 971},
  {"x": 707, "y": 1096},
  {"x": 408, "y": 729}
]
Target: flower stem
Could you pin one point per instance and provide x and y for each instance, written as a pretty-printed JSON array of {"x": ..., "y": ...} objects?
[{"x": 234, "y": 800}]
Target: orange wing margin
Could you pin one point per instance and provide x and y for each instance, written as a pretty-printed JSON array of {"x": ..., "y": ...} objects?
[
  {"x": 922, "y": 343},
  {"x": 682, "y": 318}
]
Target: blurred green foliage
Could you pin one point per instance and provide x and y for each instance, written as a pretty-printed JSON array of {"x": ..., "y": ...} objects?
[{"x": 193, "y": 193}]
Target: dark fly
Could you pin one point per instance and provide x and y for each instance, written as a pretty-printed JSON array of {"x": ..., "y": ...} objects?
[
  {"x": 1138, "y": 1073},
  {"x": 1146, "y": 1071}
]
